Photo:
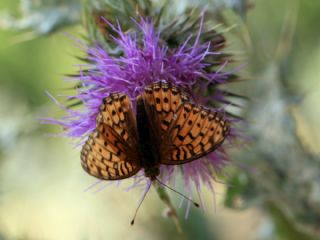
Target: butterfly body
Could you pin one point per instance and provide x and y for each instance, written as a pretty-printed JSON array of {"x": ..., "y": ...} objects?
[
  {"x": 149, "y": 152},
  {"x": 168, "y": 129}
]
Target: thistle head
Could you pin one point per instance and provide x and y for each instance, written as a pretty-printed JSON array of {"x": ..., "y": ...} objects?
[{"x": 141, "y": 56}]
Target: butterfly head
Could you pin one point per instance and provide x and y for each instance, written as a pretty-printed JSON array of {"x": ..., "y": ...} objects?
[{"x": 152, "y": 172}]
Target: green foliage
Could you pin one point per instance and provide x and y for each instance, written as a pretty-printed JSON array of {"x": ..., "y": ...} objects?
[
  {"x": 283, "y": 176},
  {"x": 39, "y": 18}
]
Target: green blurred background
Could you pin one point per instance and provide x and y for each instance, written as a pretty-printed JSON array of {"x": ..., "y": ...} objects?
[{"x": 41, "y": 182}]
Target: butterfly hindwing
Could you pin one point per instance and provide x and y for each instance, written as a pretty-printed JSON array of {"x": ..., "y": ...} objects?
[
  {"x": 195, "y": 132},
  {"x": 110, "y": 152}
]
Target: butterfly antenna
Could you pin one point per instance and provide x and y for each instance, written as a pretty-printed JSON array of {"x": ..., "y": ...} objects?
[
  {"x": 142, "y": 199},
  {"x": 165, "y": 185}
]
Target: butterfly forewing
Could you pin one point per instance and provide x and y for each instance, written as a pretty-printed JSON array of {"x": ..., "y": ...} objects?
[
  {"x": 111, "y": 151},
  {"x": 116, "y": 111},
  {"x": 162, "y": 99}
]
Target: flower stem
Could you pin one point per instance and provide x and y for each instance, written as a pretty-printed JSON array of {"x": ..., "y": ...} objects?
[{"x": 166, "y": 199}]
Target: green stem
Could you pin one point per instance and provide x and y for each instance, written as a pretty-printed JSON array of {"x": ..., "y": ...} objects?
[{"x": 166, "y": 199}]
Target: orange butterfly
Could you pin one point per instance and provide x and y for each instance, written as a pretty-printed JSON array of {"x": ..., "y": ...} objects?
[{"x": 168, "y": 129}]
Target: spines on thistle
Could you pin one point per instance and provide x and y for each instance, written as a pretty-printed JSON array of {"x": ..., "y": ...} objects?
[{"x": 190, "y": 28}]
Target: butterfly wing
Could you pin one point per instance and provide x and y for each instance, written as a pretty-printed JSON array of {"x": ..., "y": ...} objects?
[
  {"x": 111, "y": 151},
  {"x": 161, "y": 100},
  {"x": 194, "y": 132},
  {"x": 183, "y": 130}
]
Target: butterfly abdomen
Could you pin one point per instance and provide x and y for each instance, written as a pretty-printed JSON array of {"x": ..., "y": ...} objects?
[{"x": 148, "y": 149}]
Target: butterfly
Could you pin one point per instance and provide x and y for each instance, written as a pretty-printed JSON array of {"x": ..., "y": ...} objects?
[{"x": 168, "y": 128}]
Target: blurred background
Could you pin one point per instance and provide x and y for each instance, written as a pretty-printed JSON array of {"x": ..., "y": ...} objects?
[{"x": 274, "y": 185}]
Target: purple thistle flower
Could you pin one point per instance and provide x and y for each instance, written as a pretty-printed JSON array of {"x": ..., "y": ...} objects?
[{"x": 145, "y": 59}]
